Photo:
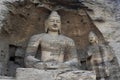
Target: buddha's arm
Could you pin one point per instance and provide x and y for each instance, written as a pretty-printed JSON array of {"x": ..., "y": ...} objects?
[
  {"x": 73, "y": 58},
  {"x": 30, "y": 59}
]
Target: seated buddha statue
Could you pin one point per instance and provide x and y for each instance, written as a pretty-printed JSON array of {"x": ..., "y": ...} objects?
[{"x": 56, "y": 50}]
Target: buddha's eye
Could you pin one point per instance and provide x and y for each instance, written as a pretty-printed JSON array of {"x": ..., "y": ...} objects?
[{"x": 51, "y": 20}]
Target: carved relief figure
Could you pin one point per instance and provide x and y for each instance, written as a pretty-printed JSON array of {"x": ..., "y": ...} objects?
[
  {"x": 100, "y": 57},
  {"x": 56, "y": 51}
]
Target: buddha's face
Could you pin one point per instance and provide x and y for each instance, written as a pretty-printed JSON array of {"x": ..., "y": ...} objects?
[
  {"x": 54, "y": 23},
  {"x": 93, "y": 39}
]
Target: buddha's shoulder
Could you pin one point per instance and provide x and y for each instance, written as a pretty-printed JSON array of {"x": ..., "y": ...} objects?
[
  {"x": 37, "y": 36},
  {"x": 67, "y": 39}
]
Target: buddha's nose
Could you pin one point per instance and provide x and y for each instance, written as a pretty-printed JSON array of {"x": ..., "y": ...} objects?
[{"x": 55, "y": 24}]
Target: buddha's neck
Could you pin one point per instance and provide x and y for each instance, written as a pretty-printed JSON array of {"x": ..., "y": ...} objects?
[{"x": 53, "y": 33}]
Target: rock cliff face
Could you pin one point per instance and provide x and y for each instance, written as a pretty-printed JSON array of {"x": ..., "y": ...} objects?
[
  {"x": 106, "y": 16},
  {"x": 104, "y": 13}
]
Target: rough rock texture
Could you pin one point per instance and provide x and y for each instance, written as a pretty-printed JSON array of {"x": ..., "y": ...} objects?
[
  {"x": 34, "y": 74},
  {"x": 3, "y": 11},
  {"x": 105, "y": 15},
  {"x": 4, "y": 58},
  {"x": 6, "y": 78}
]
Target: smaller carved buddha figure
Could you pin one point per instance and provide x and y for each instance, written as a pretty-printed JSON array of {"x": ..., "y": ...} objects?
[
  {"x": 56, "y": 51},
  {"x": 100, "y": 57}
]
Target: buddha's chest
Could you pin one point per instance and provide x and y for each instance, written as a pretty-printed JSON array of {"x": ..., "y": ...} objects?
[
  {"x": 52, "y": 48},
  {"x": 49, "y": 43}
]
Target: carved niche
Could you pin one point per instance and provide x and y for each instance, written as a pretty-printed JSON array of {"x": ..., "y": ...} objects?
[{"x": 27, "y": 18}]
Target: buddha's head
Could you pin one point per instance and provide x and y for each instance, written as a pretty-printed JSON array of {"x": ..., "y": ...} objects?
[
  {"x": 53, "y": 23},
  {"x": 93, "y": 38}
]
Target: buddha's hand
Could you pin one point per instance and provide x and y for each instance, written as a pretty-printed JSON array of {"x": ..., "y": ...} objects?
[
  {"x": 52, "y": 65},
  {"x": 40, "y": 65},
  {"x": 63, "y": 66}
]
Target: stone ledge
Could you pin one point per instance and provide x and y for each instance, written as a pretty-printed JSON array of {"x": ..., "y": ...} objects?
[{"x": 35, "y": 74}]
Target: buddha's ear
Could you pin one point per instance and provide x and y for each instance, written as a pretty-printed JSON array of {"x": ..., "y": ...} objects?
[
  {"x": 59, "y": 31},
  {"x": 46, "y": 26}
]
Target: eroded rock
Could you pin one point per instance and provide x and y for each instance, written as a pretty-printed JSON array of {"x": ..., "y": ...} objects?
[{"x": 35, "y": 74}]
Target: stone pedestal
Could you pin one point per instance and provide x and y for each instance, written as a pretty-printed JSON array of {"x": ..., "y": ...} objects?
[{"x": 35, "y": 74}]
